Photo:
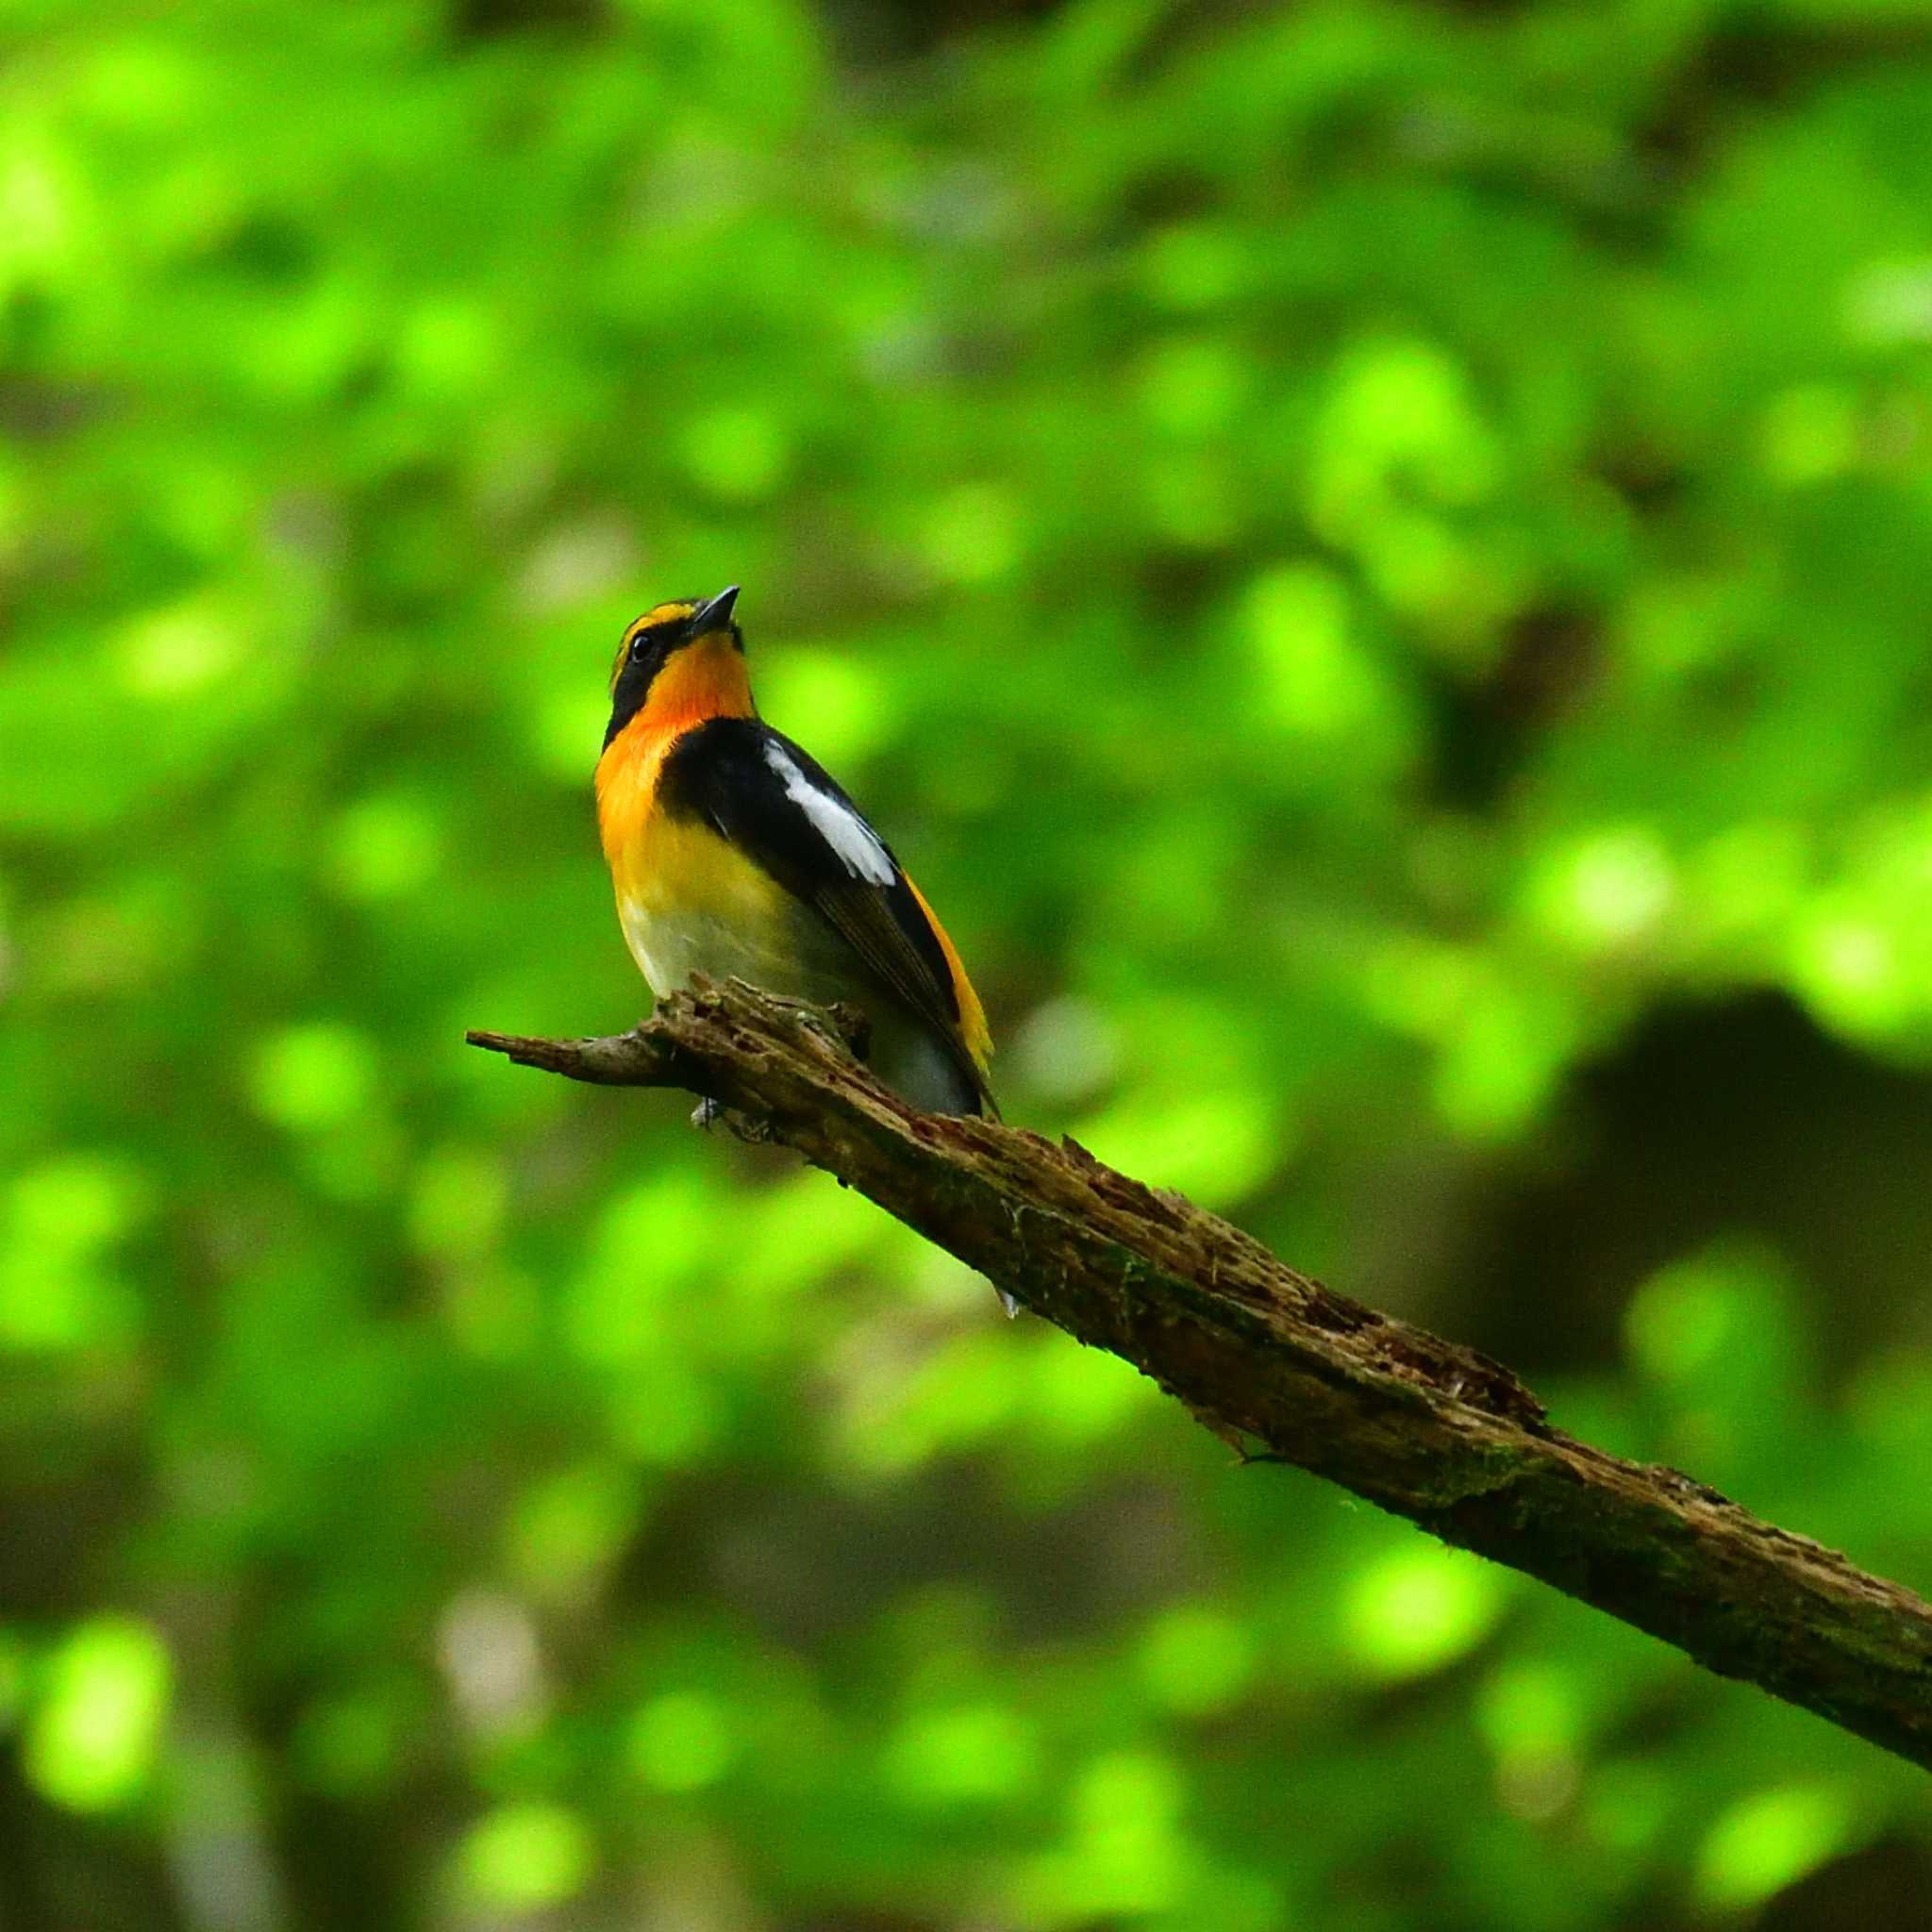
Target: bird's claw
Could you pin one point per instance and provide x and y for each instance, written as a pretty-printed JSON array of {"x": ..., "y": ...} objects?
[{"x": 752, "y": 1129}]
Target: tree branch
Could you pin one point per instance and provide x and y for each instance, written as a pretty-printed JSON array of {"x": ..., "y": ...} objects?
[{"x": 1418, "y": 1425}]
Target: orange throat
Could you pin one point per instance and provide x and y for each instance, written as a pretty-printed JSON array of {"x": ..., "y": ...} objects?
[{"x": 705, "y": 680}]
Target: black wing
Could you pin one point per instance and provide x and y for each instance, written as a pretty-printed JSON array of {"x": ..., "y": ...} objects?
[{"x": 774, "y": 802}]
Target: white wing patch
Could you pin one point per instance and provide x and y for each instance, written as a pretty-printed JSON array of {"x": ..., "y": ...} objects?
[{"x": 841, "y": 828}]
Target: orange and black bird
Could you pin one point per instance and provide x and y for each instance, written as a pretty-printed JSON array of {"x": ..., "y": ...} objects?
[{"x": 733, "y": 851}]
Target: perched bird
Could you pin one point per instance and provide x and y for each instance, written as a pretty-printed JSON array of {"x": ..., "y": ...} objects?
[{"x": 734, "y": 852}]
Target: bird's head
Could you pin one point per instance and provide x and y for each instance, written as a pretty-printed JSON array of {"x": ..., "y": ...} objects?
[{"x": 680, "y": 662}]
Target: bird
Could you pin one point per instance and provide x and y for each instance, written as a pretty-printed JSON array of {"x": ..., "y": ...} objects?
[{"x": 734, "y": 852}]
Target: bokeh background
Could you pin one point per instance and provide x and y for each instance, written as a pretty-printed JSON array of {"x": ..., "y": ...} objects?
[{"x": 1373, "y": 558}]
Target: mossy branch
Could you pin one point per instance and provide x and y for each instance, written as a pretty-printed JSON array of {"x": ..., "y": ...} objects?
[{"x": 1272, "y": 1360}]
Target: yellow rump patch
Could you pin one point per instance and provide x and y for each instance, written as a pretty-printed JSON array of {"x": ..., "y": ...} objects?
[{"x": 973, "y": 1027}]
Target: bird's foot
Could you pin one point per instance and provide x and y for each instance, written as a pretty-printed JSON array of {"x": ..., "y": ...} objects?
[{"x": 752, "y": 1129}]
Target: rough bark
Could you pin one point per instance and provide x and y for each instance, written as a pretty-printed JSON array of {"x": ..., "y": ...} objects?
[{"x": 1266, "y": 1356}]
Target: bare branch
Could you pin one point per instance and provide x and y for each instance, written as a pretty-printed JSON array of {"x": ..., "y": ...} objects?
[{"x": 1425, "y": 1429}]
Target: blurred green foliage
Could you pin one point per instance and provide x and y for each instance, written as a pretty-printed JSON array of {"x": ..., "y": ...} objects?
[{"x": 1373, "y": 558}]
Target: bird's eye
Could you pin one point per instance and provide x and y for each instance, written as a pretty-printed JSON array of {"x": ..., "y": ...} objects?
[{"x": 640, "y": 647}]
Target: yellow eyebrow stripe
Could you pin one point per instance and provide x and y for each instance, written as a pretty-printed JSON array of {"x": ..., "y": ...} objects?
[{"x": 661, "y": 613}]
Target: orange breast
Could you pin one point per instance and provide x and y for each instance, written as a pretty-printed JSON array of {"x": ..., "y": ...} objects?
[
  {"x": 688, "y": 900},
  {"x": 626, "y": 792}
]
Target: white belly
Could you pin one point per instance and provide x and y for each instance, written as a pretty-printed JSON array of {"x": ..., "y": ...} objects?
[
  {"x": 670, "y": 947},
  {"x": 798, "y": 959}
]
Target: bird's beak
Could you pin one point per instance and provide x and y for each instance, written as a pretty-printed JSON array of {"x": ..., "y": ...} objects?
[{"x": 714, "y": 613}]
